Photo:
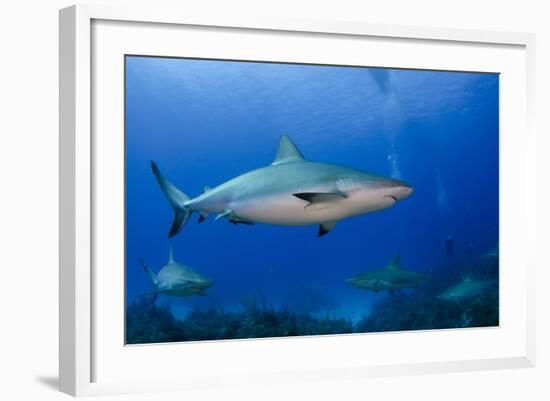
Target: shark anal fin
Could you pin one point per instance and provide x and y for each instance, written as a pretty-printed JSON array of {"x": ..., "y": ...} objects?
[
  {"x": 320, "y": 197},
  {"x": 325, "y": 228}
]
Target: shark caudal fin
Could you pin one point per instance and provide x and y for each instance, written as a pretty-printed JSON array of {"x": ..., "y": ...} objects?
[
  {"x": 153, "y": 280},
  {"x": 177, "y": 200},
  {"x": 150, "y": 273}
]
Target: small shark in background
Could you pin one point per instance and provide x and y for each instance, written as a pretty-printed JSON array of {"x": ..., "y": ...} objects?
[
  {"x": 467, "y": 288},
  {"x": 391, "y": 278},
  {"x": 177, "y": 280},
  {"x": 291, "y": 191}
]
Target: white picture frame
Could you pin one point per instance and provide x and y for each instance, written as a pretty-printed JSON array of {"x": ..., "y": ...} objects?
[{"x": 78, "y": 169}]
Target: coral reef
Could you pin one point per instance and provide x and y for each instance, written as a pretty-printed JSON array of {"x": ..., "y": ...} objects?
[
  {"x": 149, "y": 323},
  {"x": 418, "y": 309},
  {"x": 422, "y": 310}
]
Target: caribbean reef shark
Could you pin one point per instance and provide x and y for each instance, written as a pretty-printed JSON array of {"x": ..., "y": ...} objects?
[
  {"x": 467, "y": 288},
  {"x": 391, "y": 278},
  {"x": 291, "y": 191},
  {"x": 177, "y": 279}
]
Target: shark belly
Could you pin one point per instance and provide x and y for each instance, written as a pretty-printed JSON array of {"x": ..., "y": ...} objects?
[
  {"x": 287, "y": 210},
  {"x": 284, "y": 208}
]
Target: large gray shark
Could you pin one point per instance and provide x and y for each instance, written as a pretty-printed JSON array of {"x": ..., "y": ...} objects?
[
  {"x": 467, "y": 288},
  {"x": 290, "y": 192},
  {"x": 391, "y": 278},
  {"x": 177, "y": 279}
]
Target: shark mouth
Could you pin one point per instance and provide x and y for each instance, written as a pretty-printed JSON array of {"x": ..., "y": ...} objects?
[{"x": 391, "y": 196}]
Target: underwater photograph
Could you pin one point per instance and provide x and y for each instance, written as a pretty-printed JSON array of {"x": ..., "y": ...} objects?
[{"x": 269, "y": 199}]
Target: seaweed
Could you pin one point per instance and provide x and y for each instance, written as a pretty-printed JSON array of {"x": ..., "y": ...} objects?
[
  {"x": 149, "y": 323},
  {"x": 422, "y": 310},
  {"x": 419, "y": 309}
]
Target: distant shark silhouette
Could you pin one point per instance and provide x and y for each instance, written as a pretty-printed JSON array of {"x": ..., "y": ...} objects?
[
  {"x": 467, "y": 288},
  {"x": 391, "y": 278},
  {"x": 177, "y": 280},
  {"x": 290, "y": 192},
  {"x": 492, "y": 253}
]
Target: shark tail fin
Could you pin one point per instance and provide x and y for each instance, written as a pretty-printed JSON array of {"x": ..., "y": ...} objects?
[
  {"x": 150, "y": 274},
  {"x": 177, "y": 200},
  {"x": 153, "y": 294}
]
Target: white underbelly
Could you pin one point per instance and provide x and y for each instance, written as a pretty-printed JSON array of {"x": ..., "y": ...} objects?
[
  {"x": 286, "y": 209},
  {"x": 291, "y": 211}
]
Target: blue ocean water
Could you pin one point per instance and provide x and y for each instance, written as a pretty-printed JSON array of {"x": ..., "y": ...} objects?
[{"x": 206, "y": 121}]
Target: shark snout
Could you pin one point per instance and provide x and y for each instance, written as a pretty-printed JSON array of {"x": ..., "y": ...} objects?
[
  {"x": 400, "y": 190},
  {"x": 405, "y": 192},
  {"x": 206, "y": 284},
  {"x": 351, "y": 281}
]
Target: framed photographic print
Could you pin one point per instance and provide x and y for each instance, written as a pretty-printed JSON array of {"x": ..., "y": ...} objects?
[{"x": 276, "y": 200}]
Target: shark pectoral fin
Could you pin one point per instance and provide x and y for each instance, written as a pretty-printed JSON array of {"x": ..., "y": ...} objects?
[
  {"x": 325, "y": 228},
  {"x": 223, "y": 214},
  {"x": 316, "y": 198},
  {"x": 202, "y": 217}
]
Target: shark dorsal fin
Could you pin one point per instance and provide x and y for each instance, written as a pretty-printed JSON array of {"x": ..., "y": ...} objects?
[
  {"x": 395, "y": 262},
  {"x": 288, "y": 152},
  {"x": 171, "y": 255}
]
